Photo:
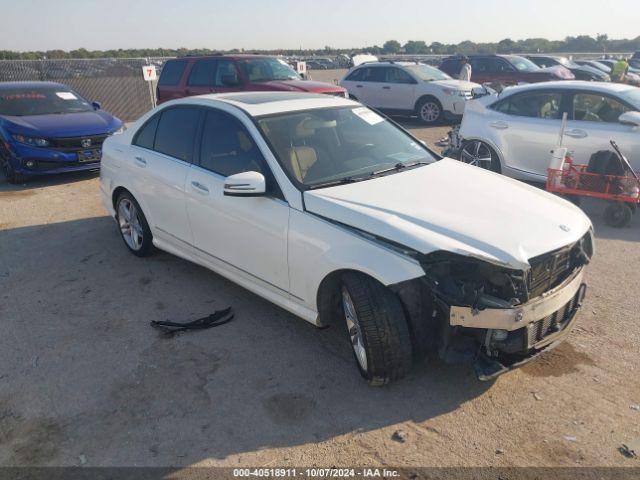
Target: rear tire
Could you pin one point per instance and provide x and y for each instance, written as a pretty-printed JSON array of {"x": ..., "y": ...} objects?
[
  {"x": 134, "y": 229},
  {"x": 618, "y": 215},
  {"x": 377, "y": 329}
]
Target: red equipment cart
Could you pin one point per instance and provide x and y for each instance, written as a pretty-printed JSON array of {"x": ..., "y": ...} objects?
[{"x": 622, "y": 191}]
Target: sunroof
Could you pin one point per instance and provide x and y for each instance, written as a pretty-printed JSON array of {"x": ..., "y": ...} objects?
[{"x": 255, "y": 98}]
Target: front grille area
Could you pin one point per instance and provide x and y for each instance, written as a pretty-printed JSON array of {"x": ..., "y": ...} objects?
[
  {"x": 74, "y": 144},
  {"x": 556, "y": 322},
  {"x": 551, "y": 269}
]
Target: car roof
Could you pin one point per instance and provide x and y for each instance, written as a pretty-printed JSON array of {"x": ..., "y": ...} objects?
[
  {"x": 30, "y": 84},
  {"x": 238, "y": 56},
  {"x": 387, "y": 64},
  {"x": 257, "y": 104},
  {"x": 605, "y": 87}
]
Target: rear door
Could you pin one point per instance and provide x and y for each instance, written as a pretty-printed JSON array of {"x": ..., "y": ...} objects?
[
  {"x": 594, "y": 123},
  {"x": 169, "y": 83},
  {"x": 161, "y": 161},
  {"x": 201, "y": 77},
  {"x": 372, "y": 86},
  {"x": 528, "y": 128}
]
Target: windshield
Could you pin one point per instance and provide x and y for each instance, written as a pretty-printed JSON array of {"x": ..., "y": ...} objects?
[
  {"x": 427, "y": 73},
  {"x": 523, "y": 64},
  {"x": 338, "y": 145},
  {"x": 267, "y": 69},
  {"x": 41, "y": 101},
  {"x": 565, "y": 62},
  {"x": 632, "y": 96}
]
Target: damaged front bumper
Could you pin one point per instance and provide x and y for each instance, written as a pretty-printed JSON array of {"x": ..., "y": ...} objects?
[{"x": 515, "y": 336}]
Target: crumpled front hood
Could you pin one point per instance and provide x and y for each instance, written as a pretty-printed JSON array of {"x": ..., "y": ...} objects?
[
  {"x": 451, "y": 206},
  {"x": 65, "y": 125},
  {"x": 303, "y": 86}
]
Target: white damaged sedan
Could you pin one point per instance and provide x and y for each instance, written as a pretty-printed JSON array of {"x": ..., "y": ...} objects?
[{"x": 334, "y": 213}]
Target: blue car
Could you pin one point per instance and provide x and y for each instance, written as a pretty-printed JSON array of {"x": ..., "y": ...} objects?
[{"x": 47, "y": 128}]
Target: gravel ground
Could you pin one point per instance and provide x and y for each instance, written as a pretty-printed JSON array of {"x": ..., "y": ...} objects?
[{"x": 85, "y": 380}]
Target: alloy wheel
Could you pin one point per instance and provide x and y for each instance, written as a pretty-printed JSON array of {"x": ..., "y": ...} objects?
[
  {"x": 430, "y": 112},
  {"x": 129, "y": 222},
  {"x": 478, "y": 154},
  {"x": 354, "y": 328}
]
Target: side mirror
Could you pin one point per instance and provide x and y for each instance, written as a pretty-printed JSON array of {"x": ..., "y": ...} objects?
[
  {"x": 230, "y": 80},
  {"x": 630, "y": 118},
  {"x": 96, "y": 105},
  {"x": 245, "y": 184}
]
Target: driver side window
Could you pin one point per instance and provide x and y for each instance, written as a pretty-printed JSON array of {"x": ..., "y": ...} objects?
[
  {"x": 593, "y": 107},
  {"x": 227, "y": 148}
]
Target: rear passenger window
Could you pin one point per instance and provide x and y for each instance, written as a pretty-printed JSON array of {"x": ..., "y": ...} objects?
[
  {"x": 373, "y": 74},
  {"x": 172, "y": 72},
  {"x": 202, "y": 73},
  {"x": 227, "y": 148},
  {"x": 147, "y": 134},
  {"x": 176, "y": 132}
]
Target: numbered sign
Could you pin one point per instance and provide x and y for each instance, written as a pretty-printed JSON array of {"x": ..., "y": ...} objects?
[
  {"x": 301, "y": 67},
  {"x": 149, "y": 73}
]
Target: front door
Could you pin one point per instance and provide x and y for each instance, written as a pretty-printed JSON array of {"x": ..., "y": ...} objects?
[
  {"x": 398, "y": 91},
  {"x": 248, "y": 233},
  {"x": 201, "y": 77},
  {"x": 594, "y": 124}
]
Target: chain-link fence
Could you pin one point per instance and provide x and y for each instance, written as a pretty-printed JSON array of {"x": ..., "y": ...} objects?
[{"x": 116, "y": 83}]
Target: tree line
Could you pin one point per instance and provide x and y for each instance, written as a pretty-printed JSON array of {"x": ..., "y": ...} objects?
[{"x": 581, "y": 43}]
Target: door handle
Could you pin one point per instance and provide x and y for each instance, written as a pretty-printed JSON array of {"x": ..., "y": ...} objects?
[
  {"x": 200, "y": 187},
  {"x": 386, "y": 88},
  {"x": 358, "y": 86},
  {"x": 576, "y": 133},
  {"x": 140, "y": 161},
  {"x": 499, "y": 125}
]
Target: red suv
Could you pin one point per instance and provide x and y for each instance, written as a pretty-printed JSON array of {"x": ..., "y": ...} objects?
[
  {"x": 505, "y": 69},
  {"x": 187, "y": 76}
]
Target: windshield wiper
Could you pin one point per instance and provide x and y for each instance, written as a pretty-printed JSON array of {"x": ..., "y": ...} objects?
[
  {"x": 398, "y": 166},
  {"x": 333, "y": 183}
]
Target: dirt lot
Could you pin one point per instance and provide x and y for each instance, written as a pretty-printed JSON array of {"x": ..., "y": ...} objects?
[{"x": 85, "y": 380}]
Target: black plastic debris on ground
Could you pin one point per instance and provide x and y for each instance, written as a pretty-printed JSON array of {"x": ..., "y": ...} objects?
[{"x": 217, "y": 318}]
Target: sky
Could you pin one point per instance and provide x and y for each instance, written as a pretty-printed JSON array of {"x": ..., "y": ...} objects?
[{"x": 290, "y": 24}]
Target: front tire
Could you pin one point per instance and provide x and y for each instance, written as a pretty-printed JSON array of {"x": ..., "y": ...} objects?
[
  {"x": 134, "y": 229},
  {"x": 429, "y": 110},
  {"x": 377, "y": 329},
  {"x": 11, "y": 175},
  {"x": 479, "y": 154}
]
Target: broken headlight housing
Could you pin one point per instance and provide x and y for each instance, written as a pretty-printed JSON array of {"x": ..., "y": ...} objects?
[{"x": 467, "y": 281}]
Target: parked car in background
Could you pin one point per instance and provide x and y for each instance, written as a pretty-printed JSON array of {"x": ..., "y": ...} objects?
[
  {"x": 334, "y": 213},
  {"x": 314, "y": 65},
  {"x": 409, "y": 89},
  {"x": 633, "y": 74},
  {"x": 504, "y": 69},
  {"x": 188, "y": 76},
  {"x": 47, "y": 128},
  {"x": 596, "y": 64},
  {"x": 514, "y": 132},
  {"x": 581, "y": 72}
]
